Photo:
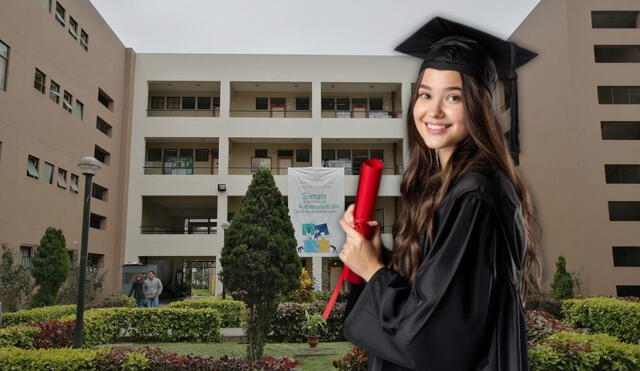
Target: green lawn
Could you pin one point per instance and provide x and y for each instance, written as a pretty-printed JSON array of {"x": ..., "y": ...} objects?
[{"x": 318, "y": 359}]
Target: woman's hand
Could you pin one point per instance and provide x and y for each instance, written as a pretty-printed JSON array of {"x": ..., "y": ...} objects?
[{"x": 359, "y": 254}]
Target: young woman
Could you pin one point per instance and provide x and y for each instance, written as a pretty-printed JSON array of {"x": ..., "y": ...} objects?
[
  {"x": 137, "y": 291},
  {"x": 450, "y": 294}
]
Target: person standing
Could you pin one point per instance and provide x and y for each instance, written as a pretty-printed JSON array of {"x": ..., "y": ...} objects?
[
  {"x": 137, "y": 290},
  {"x": 152, "y": 288}
]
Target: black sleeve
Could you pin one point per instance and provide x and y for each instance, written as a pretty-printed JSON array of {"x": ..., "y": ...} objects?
[
  {"x": 133, "y": 287},
  {"x": 414, "y": 325}
]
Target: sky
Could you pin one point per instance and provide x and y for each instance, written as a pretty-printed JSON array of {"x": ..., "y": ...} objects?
[{"x": 346, "y": 27}]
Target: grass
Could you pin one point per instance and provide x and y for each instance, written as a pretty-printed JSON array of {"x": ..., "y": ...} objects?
[{"x": 310, "y": 359}]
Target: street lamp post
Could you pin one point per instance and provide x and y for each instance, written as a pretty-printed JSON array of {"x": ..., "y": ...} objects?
[{"x": 89, "y": 166}]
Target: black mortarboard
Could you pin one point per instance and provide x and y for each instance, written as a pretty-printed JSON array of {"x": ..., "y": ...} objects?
[{"x": 447, "y": 45}]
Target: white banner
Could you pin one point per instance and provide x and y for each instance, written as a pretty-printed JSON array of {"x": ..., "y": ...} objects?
[{"x": 316, "y": 205}]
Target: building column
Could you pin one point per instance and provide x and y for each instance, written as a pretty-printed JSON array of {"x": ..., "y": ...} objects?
[
  {"x": 223, "y": 157},
  {"x": 316, "y": 100},
  {"x": 316, "y": 151},
  {"x": 225, "y": 99},
  {"x": 316, "y": 266},
  {"x": 223, "y": 207}
]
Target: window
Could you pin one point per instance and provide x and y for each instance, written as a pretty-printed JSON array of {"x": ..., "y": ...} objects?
[
  {"x": 32, "y": 166},
  {"x": 173, "y": 102},
  {"x": 60, "y": 14},
  {"x": 73, "y": 28},
  {"x": 99, "y": 192},
  {"x": 202, "y": 155},
  {"x": 342, "y": 104},
  {"x": 261, "y": 153},
  {"x": 619, "y": 94},
  {"x": 328, "y": 154},
  {"x": 170, "y": 152},
  {"x": 97, "y": 221},
  {"x": 157, "y": 102},
  {"x": 25, "y": 256},
  {"x": 302, "y": 155},
  {"x": 186, "y": 152},
  {"x": 377, "y": 153},
  {"x": 84, "y": 40},
  {"x": 67, "y": 101},
  {"x": 47, "y": 173},
  {"x": 626, "y": 256},
  {"x": 39, "y": 81},
  {"x": 278, "y": 102},
  {"x": 61, "y": 180},
  {"x": 328, "y": 104},
  {"x": 344, "y": 154},
  {"x": 95, "y": 260},
  {"x": 204, "y": 103},
  {"x": 285, "y": 153},
  {"x": 375, "y": 104},
  {"x": 614, "y": 19},
  {"x": 103, "y": 126},
  {"x": 302, "y": 104},
  {"x": 4, "y": 62},
  {"x": 622, "y": 174},
  {"x": 262, "y": 102},
  {"x": 104, "y": 99},
  {"x": 617, "y": 53},
  {"x": 73, "y": 183},
  {"x": 359, "y": 102},
  {"x": 620, "y": 130},
  {"x": 216, "y": 102},
  {"x": 189, "y": 103},
  {"x": 79, "y": 110},
  {"x": 54, "y": 92},
  {"x": 628, "y": 290},
  {"x": 101, "y": 155},
  {"x": 154, "y": 154},
  {"x": 628, "y": 211}
]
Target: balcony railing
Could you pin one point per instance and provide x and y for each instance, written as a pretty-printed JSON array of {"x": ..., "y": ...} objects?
[
  {"x": 270, "y": 113},
  {"x": 180, "y": 170},
  {"x": 247, "y": 170},
  {"x": 183, "y": 112},
  {"x": 160, "y": 229},
  {"x": 366, "y": 114}
]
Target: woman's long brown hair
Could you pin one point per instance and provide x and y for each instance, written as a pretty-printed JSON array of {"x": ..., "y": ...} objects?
[{"x": 424, "y": 184}]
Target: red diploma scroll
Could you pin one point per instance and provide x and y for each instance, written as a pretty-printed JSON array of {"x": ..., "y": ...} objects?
[{"x": 368, "y": 185}]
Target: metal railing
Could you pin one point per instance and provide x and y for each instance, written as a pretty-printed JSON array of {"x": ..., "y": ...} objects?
[
  {"x": 183, "y": 112},
  {"x": 367, "y": 114},
  {"x": 180, "y": 170},
  {"x": 270, "y": 113},
  {"x": 163, "y": 229},
  {"x": 247, "y": 170}
]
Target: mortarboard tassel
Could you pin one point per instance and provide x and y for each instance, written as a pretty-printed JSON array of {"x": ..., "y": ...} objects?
[{"x": 514, "y": 143}]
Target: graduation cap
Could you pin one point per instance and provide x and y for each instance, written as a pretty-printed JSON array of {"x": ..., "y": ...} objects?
[{"x": 447, "y": 45}]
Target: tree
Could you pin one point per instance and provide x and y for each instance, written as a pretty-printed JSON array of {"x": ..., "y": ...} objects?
[
  {"x": 16, "y": 283},
  {"x": 259, "y": 256},
  {"x": 562, "y": 285},
  {"x": 50, "y": 267}
]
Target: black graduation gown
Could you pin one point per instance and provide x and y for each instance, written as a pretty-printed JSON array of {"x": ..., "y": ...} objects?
[{"x": 463, "y": 311}]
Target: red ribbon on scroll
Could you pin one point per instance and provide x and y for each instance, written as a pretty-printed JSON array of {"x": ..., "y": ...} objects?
[{"x": 368, "y": 185}]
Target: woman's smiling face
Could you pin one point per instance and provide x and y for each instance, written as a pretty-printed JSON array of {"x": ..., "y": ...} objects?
[{"x": 438, "y": 111}]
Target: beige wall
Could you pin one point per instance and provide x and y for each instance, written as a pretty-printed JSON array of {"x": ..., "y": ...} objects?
[
  {"x": 240, "y": 155},
  {"x": 563, "y": 155},
  {"x": 32, "y": 124},
  {"x": 246, "y": 100}
]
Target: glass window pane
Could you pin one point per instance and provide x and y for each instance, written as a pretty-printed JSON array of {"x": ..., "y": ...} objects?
[
  {"x": 605, "y": 95},
  {"x": 154, "y": 154},
  {"x": 4, "y": 50},
  {"x": 328, "y": 154},
  {"x": 157, "y": 102},
  {"x": 202, "y": 154},
  {"x": 262, "y": 102},
  {"x": 204, "y": 103},
  {"x": 302, "y": 104},
  {"x": 620, "y": 95},
  {"x": 302, "y": 155},
  {"x": 188, "y": 103},
  {"x": 375, "y": 104},
  {"x": 47, "y": 173},
  {"x": 173, "y": 102},
  {"x": 328, "y": 104},
  {"x": 79, "y": 110},
  {"x": 342, "y": 104},
  {"x": 344, "y": 154}
]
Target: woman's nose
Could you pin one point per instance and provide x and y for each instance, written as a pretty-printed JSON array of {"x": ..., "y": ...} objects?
[{"x": 434, "y": 109}]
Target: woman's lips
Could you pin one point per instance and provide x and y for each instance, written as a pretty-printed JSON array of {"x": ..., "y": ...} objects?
[{"x": 437, "y": 129}]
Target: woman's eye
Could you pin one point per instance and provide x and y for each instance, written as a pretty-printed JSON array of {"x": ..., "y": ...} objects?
[
  {"x": 423, "y": 95},
  {"x": 454, "y": 98}
]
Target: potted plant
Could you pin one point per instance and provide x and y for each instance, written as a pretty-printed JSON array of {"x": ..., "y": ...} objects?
[{"x": 312, "y": 325}]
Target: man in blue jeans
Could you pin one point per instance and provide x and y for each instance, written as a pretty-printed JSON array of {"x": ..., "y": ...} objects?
[{"x": 152, "y": 288}]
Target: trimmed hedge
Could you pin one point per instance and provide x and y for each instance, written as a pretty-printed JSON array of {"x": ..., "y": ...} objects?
[
  {"x": 620, "y": 318},
  {"x": 106, "y": 325},
  {"x": 65, "y": 359},
  {"x": 116, "y": 301},
  {"x": 231, "y": 311},
  {"x": 20, "y": 336},
  {"x": 584, "y": 352},
  {"x": 53, "y": 334},
  {"x": 44, "y": 314},
  {"x": 147, "y": 358},
  {"x": 287, "y": 325}
]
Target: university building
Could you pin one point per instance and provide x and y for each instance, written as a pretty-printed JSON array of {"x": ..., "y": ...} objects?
[{"x": 180, "y": 135}]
